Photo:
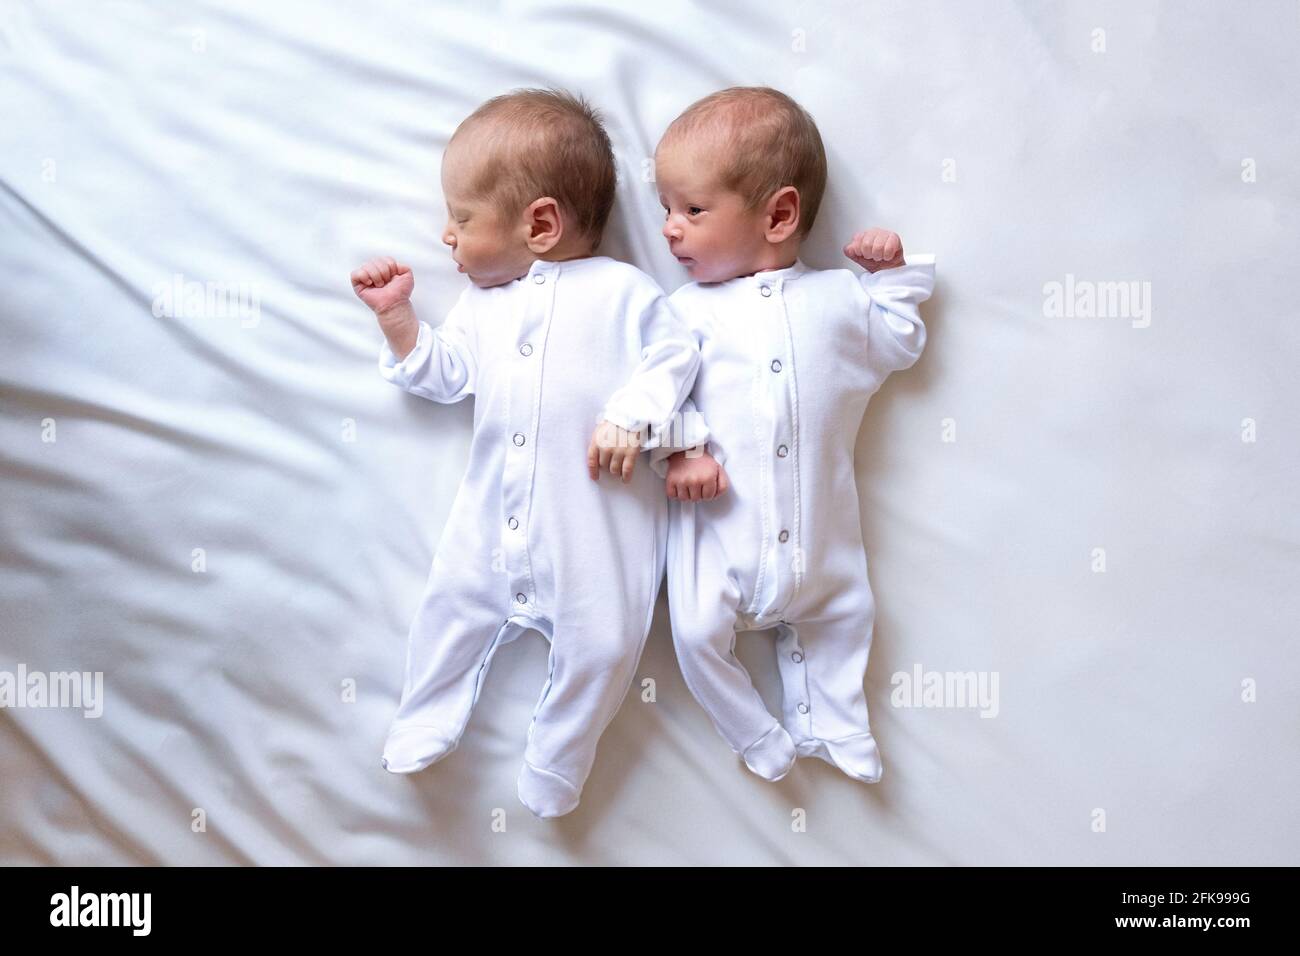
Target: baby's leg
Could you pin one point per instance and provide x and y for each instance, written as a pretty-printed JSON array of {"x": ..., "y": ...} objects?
[
  {"x": 703, "y": 602},
  {"x": 823, "y": 665},
  {"x": 591, "y": 666},
  {"x": 452, "y": 640}
]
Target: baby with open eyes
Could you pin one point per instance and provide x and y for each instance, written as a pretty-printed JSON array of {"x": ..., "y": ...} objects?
[
  {"x": 791, "y": 356},
  {"x": 550, "y": 339}
]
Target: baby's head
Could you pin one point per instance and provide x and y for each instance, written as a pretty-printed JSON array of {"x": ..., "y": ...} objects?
[
  {"x": 740, "y": 175},
  {"x": 528, "y": 175}
]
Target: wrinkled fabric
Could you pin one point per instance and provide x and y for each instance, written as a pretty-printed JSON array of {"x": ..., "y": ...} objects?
[{"x": 235, "y": 517}]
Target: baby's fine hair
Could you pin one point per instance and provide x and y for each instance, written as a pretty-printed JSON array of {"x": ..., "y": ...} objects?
[
  {"x": 546, "y": 143},
  {"x": 768, "y": 141}
]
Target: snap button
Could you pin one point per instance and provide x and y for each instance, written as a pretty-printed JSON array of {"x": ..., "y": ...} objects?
[
  {"x": 782, "y": 451},
  {"x": 525, "y": 349},
  {"x": 513, "y": 522},
  {"x": 797, "y": 657},
  {"x": 519, "y": 438},
  {"x": 776, "y": 365},
  {"x": 766, "y": 290},
  {"x": 803, "y": 708},
  {"x": 539, "y": 278},
  {"x": 522, "y": 598},
  {"x": 783, "y": 537}
]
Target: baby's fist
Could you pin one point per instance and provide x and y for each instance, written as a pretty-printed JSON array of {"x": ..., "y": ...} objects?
[
  {"x": 614, "y": 448},
  {"x": 695, "y": 478},
  {"x": 383, "y": 283},
  {"x": 876, "y": 249}
]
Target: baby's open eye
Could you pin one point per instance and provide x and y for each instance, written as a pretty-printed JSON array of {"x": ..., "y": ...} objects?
[{"x": 693, "y": 210}]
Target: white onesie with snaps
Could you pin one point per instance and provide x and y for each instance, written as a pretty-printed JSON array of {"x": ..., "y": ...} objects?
[
  {"x": 531, "y": 540},
  {"x": 790, "y": 359}
]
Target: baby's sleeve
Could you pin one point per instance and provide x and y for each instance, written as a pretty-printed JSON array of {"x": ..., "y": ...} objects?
[
  {"x": 688, "y": 430},
  {"x": 895, "y": 332},
  {"x": 443, "y": 365},
  {"x": 654, "y": 393}
]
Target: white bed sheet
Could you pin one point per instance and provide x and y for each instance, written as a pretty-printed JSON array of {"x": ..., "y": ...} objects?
[{"x": 272, "y": 147}]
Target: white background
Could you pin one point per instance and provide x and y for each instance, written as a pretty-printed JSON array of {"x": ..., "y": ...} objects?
[{"x": 279, "y": 145}]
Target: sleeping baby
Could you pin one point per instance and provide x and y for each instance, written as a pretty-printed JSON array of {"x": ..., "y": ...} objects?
[
  {"x": 791, "y": 356},
  {"x": 551, "y": 340}
]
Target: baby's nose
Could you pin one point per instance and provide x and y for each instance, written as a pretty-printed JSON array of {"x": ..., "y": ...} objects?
[{"x": 671, "y": 231}]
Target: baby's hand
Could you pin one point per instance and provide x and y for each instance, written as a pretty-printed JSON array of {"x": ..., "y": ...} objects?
[
  {"x": 876, "y": 249},
  {"x": 695, "y": 479},
  {"x": 383, "y": 284},
  {"x": 613, "y": 448}
]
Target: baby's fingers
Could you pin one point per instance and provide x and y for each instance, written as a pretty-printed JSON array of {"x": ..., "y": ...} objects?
[
  {"x": 723, "y": 481},
  {"x": 593, "y": 460}
]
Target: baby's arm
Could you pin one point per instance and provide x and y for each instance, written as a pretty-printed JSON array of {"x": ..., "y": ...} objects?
[
  {"x": 386, "y": 286},
  {"x": 894, "y": 289},
  {"x": 650, "y": 399},
  {"x": 683, "y": 455},
  {"x": 438, "y": 364}
]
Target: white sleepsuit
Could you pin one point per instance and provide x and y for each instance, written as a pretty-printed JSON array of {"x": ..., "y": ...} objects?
[
  {"x": 531, "y": 540},
  {"x": 790, "y": 359}
]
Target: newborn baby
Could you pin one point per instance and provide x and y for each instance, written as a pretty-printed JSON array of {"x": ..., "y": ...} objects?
[
  {"x": 791, "y": 356},
  {"x": 550, "y": 339}
]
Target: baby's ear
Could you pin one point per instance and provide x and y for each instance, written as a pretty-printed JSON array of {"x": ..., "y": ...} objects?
[
  {"x": 783, "y": 214},
  {"x": 544, "y": 223}
]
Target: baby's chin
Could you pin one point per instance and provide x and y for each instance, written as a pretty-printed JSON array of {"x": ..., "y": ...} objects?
[
  {"x": 492, "y": 279},
  {"x": 699, "y": 271},
  {"x": 708, "y": 271}
]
